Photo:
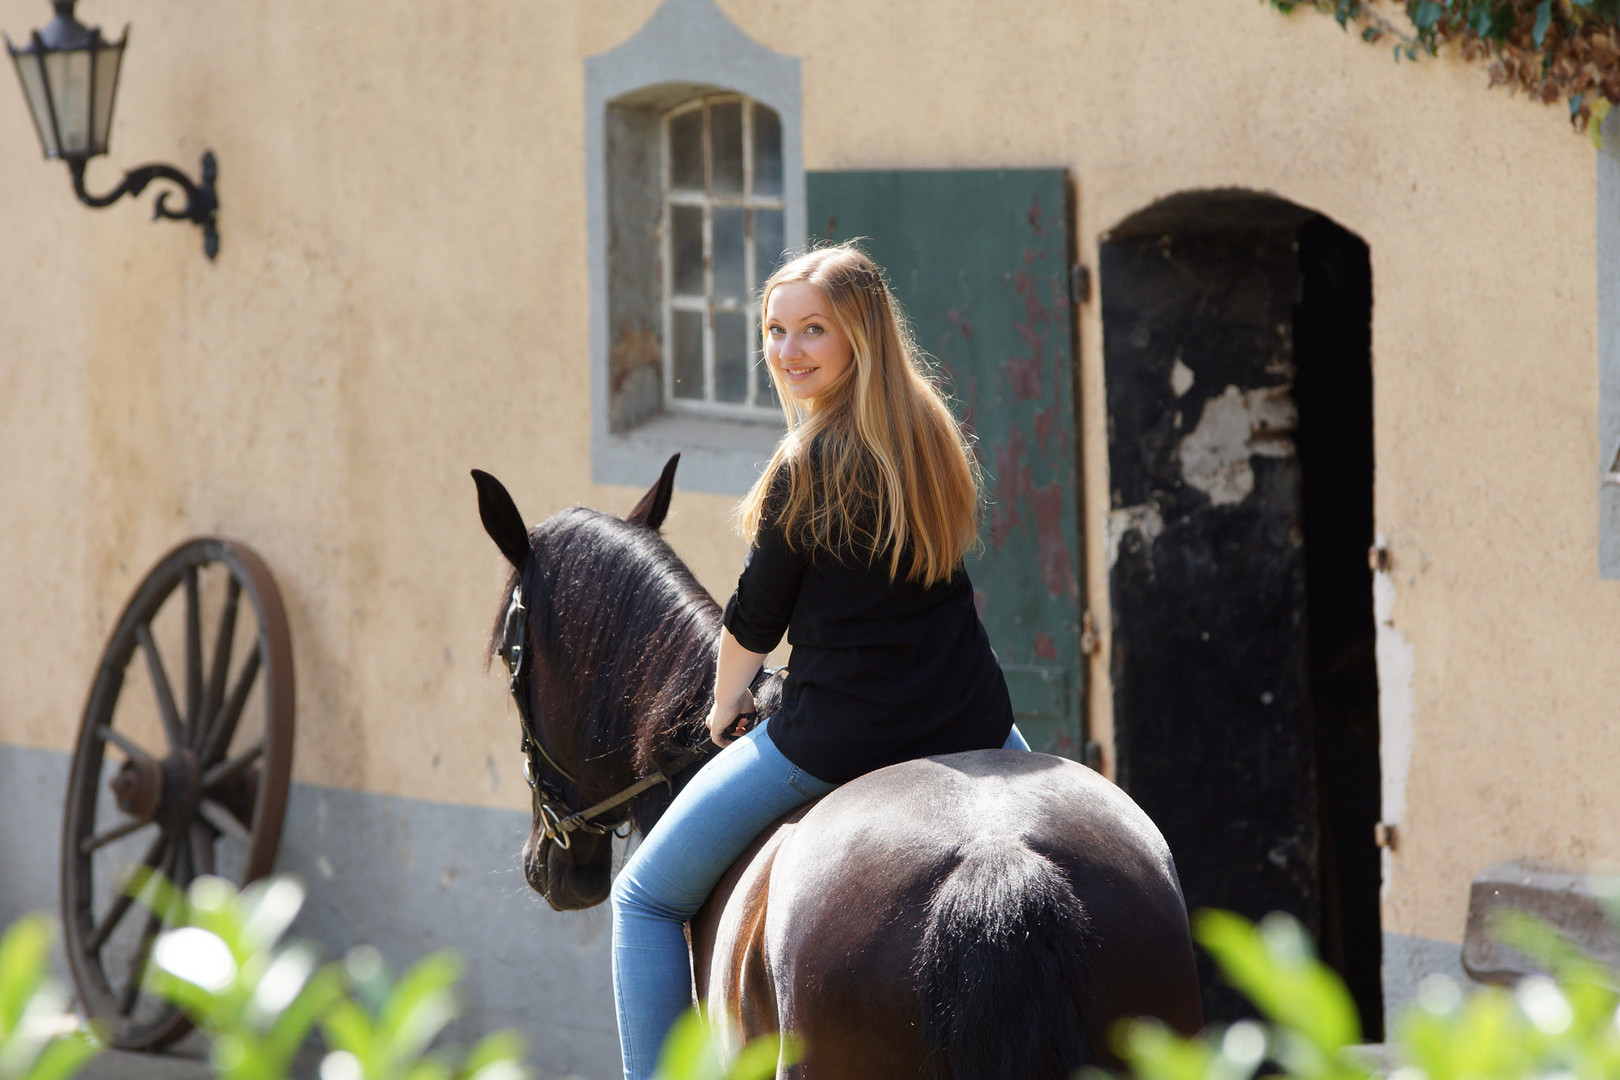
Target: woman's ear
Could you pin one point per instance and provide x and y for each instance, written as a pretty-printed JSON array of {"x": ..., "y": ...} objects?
[{"x": 654, "y": 506}]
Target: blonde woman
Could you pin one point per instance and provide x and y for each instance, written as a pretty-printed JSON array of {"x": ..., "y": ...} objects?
[{"x": 858, "y": 527}]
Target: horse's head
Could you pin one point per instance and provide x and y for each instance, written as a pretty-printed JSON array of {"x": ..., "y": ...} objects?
[{"x": 596, "y": 621}]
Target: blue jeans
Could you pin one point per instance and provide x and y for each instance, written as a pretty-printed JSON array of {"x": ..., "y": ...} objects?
[{"x": 716, "y": 816}]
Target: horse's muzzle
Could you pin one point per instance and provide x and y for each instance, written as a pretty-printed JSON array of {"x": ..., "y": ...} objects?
[{"x": 572, "y": 878}]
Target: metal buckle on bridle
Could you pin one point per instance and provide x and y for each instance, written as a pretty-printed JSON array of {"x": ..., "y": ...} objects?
[
  {"x": 554, "y": 830},
  {"x": 512, "y": 644}
]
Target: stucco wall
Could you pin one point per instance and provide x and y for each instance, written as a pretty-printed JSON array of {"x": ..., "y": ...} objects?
[{"x": 402, "y": 294}]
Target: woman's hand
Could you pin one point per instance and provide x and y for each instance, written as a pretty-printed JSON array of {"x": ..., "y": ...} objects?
[{"x": 723, "y": 717}]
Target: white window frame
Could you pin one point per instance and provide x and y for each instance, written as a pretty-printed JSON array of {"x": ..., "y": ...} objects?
[{"x": 755, "y": 406}]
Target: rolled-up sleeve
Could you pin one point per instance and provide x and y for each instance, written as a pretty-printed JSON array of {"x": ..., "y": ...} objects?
[{"x": 759, "y": 611}]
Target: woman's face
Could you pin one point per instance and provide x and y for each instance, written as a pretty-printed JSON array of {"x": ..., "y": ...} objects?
[{"x": 802, "y": 343}]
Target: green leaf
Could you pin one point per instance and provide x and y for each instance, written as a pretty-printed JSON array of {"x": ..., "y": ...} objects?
[
  {"x": 62, "y": 1058},
  {"x": 23, "y": 953},
  {"x": 1274, "y": 965},
  {"x": 757, "y": 1061},
  {"x": 501, "y": 1048},
  {"x": 1426, "y": 15},
  {"x": 689, "y": 1052}
]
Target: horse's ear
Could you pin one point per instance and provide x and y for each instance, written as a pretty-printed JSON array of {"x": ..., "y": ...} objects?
[
  {"x": 654, "y": 505},
  {"x": 501, "y": 518}
]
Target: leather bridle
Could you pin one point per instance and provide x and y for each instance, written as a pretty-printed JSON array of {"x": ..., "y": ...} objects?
[{"x": 550, "y": 807}]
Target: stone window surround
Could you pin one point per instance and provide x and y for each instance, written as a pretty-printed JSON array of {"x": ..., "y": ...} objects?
[{"x": 688, "y": 48}]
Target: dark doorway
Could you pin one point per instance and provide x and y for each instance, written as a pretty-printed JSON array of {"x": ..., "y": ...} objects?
[{"x": 1237, "y": 338}]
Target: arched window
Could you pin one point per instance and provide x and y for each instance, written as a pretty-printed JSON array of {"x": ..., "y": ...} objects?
[
  {"x": 695, "y": 185},
  {"x": 722, "y": 233}
]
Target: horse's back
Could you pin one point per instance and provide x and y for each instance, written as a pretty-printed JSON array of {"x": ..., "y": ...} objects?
[{"x": 953, "y": 906}]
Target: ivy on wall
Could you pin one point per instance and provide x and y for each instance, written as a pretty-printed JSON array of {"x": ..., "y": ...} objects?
[{"x": 1554, "y": 50}]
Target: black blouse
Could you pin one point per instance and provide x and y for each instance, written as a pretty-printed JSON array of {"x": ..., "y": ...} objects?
[{"x": 882, "y": 671}]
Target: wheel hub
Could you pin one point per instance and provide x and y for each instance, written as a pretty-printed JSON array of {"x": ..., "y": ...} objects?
[{"x": 163, "y": 791}]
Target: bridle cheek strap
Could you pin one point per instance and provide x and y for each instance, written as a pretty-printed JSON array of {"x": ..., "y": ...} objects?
[{"x": 546, "y": 809}]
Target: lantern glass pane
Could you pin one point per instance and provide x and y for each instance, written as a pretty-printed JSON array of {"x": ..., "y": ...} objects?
[
  {"x": 69, "y": 76},
  {"x": 108, "y": 59},
  {"x": 32, "y": 74}
]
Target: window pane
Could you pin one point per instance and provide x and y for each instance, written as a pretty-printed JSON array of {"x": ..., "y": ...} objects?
[
  {"x": 686, "y": 151},
  {"x": 730, "y": 245},
  {"x": 768, "y": 243},
  {"x": 689, "y": 355},
  {"x": 725, "y": 138},
  {"x": 764, "y": 392},
  {"x": 686, "y": 248},
  {"x": 767, "y": 152},
  {"x": 730, "y": 356}
]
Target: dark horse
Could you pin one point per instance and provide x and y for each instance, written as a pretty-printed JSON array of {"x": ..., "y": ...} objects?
[{"x": 989, "y": 914}]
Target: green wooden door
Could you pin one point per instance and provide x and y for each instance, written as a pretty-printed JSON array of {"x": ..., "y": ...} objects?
[{"x": 980, "y": 262}]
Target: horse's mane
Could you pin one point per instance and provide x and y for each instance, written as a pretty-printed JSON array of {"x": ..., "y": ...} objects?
[{"x": 623, "y": 632}]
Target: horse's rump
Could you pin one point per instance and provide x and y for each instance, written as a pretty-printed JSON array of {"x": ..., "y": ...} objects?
[{"x": 974, "y": 915}]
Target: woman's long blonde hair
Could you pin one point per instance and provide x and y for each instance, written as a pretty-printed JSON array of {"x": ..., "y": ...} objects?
[{"x": 879, "y": 464}]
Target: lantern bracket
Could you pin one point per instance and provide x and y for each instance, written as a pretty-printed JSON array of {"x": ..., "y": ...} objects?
[{"x": 201, "y": 207}]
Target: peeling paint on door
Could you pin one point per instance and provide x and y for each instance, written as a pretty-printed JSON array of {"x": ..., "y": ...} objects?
[{"x": 1235, "y": 427}]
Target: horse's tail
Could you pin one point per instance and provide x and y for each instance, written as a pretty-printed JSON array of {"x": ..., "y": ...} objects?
[{"x": 1001, "y": 969}]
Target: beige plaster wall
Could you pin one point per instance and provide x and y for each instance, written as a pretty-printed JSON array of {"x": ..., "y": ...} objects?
[{"x": 401, "y": 295}]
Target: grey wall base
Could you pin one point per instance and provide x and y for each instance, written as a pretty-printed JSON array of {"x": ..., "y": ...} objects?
[
  {"x": 409, "y": 877},
  {"x": 1408, "y": 959}
]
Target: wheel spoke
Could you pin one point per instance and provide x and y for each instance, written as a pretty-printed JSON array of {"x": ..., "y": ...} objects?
[
  {"x": 118, "y": 832},
  {"x": 154, "y": 854},
  {"x": 185, "y": 869},
  {"x": 224, "y": 725},
  {"x": 161, "y": 686},
  {"x": 130, "y": 747},
  {"x": 223, "y": 820},
  {"x": 194, "y": 661},
  {"x": 149, "y": 933},
  {"x": 202, "y": 847},
  {"x": 221, "y": 669},
  {"x": 230, "y": 770}
]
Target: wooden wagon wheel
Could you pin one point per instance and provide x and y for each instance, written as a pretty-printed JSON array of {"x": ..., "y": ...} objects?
[{"x": 198, "y": 784}]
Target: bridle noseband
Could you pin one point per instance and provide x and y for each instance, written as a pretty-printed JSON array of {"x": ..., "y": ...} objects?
[{"x": 550, "y": 807}]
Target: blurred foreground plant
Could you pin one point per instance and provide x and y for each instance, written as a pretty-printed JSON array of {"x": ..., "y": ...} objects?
[
  {"x": 1562, "y": 1026},
  {"x": 258, "y": 998},
  {"x": 692, "y": 1052},
  {"x": 39, "y": 1038}
]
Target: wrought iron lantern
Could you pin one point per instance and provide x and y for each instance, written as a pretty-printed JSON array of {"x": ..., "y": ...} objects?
[{"x": 69, "y": 74}]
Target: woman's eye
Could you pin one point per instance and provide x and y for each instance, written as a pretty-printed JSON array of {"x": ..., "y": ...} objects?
[{"x": 812, "y": 329}]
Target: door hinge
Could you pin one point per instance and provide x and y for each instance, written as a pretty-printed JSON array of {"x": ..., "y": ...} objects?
[
  {"x": 1089, "y": 645},
  {"x": 1079, "y": 283}
]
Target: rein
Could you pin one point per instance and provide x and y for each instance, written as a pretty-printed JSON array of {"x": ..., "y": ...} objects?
[{"x": 549, "y": 805}]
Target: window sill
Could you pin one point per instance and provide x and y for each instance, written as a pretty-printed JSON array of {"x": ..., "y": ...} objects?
[{"x": 721, "y": 457}]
